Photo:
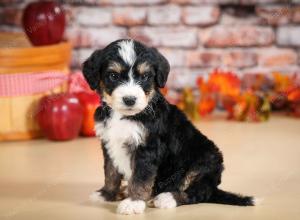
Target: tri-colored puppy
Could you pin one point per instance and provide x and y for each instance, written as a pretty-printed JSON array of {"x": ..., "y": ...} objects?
[{"x": 146, "y": 140}]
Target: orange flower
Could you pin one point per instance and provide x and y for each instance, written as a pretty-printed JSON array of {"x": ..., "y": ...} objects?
[
  {"x": 226, "y": 83},
  {"x": 294, "y": 95},
  {"x": 206, "y": 106},
  {"x": 282, "y": 82}
]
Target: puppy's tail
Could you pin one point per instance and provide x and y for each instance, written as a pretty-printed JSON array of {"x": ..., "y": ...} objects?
[{"x": 223, "y": 197}]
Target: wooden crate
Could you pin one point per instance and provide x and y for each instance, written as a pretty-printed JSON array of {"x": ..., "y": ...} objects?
[{"x": 17, "y": 56}]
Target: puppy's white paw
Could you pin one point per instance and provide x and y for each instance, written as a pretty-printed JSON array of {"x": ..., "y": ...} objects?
[
  {"x": 96, "y": 197},
  {"x": 129, "y": 207},
  {"x": 165, "y": 201}
]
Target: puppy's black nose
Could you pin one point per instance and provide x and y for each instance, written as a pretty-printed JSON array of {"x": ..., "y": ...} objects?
[{"x": 129, "y": 100}]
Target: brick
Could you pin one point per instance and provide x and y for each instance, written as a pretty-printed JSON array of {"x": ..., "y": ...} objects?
[
  {"x": 288, "y": 36},
  {"x": 6, "y": 2},
  {"x": 277, "y": 57},
  {"x": 239, "y": 59},
  {"x": 176, "y": 57},
  {"x": 241, "y": 36},
  {"x": 215, "y": 58},
  {"x": 79, "y": 56},
  {"x": 206, "y": 58},
  {"x": 129, "y": 16},
  {"x": 182, "y": 77},
  {"x": 74, "y": 59},
  {"x": 73, "y": 34},
  {"x": 101, "y": 37},
  {"x": 251, "y": 2},
  {"x": 274, "y": 14},
  {"x": 166, "y": 36},
  {"x": 11, "y": 16},
  {"x": 230, "y": 19},
  {"x": 167, "y": 14},
  {"x": 94, "y": 37},
  {"x": 296, "y": 14},
  {"x": 88, "y": 16},
  {"x": 201, "y": 15},
  {"x": 200, "y": 2},
  {"x": 9, "y": 28},
  {"x": 135, "y": 2},
  {"x": 268, "y": 70},
  {"x": 86, "y": 2},
  {"x": 70, "y": 13}
]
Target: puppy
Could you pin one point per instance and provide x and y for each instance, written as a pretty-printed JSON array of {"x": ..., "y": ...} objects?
[{"x": 147, "y": 141}]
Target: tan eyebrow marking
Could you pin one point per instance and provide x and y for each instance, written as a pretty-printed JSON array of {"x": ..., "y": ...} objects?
[
  {"x": 116, "y": 67},
  {"x": 143, "y": 67}
]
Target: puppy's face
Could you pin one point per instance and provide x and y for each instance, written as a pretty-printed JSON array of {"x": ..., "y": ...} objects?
[{"x": 126, "y": 73}]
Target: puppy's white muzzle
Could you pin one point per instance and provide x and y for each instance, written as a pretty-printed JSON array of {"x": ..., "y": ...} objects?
[{"x": 129, "y": 99}]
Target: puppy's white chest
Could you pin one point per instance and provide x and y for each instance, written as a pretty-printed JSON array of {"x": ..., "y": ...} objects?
[{"x": 121, "y": 136}]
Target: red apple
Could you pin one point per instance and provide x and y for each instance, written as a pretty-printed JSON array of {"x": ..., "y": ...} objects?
[
  {"x": 89, "y": 101},
  {"x": 60, "y": 116},
  {"x": 44, "y": 22}
]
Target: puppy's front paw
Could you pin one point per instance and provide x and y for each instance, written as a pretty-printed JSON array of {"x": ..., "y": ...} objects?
[
  {"x": 97, "y": 197},
  {"x": 165, "y": 201},
  {"x": 129, "y": 207}
]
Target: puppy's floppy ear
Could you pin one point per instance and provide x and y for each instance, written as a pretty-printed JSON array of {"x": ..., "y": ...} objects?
[
  {"x": 91, "y": 69},
  {"x": 162, "y": 69}
]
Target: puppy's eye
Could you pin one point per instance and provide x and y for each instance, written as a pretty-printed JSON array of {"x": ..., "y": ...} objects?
[{"x": 114, "y": 76}]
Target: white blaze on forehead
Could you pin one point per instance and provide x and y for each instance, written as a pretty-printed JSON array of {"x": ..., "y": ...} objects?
[{"x": 127, "y": 52}]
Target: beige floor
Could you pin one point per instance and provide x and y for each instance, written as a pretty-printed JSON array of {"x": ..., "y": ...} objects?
[{"x": 52, "y": 180}]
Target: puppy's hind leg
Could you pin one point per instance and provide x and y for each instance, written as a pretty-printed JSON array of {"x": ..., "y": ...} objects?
[
  {"x": 197, "y": 191},
  {"x": 192, "y": 195},
  {"x": 167, "y": 200},
  {"x": 194, "y": 190},
  {"x": 203, "y": 191}
]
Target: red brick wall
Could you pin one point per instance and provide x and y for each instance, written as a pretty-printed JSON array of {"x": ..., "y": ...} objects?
[{"x": 195, "y": 35}]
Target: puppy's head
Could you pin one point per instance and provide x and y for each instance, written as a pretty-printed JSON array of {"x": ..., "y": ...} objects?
[{"x": 126, "y": 73}]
